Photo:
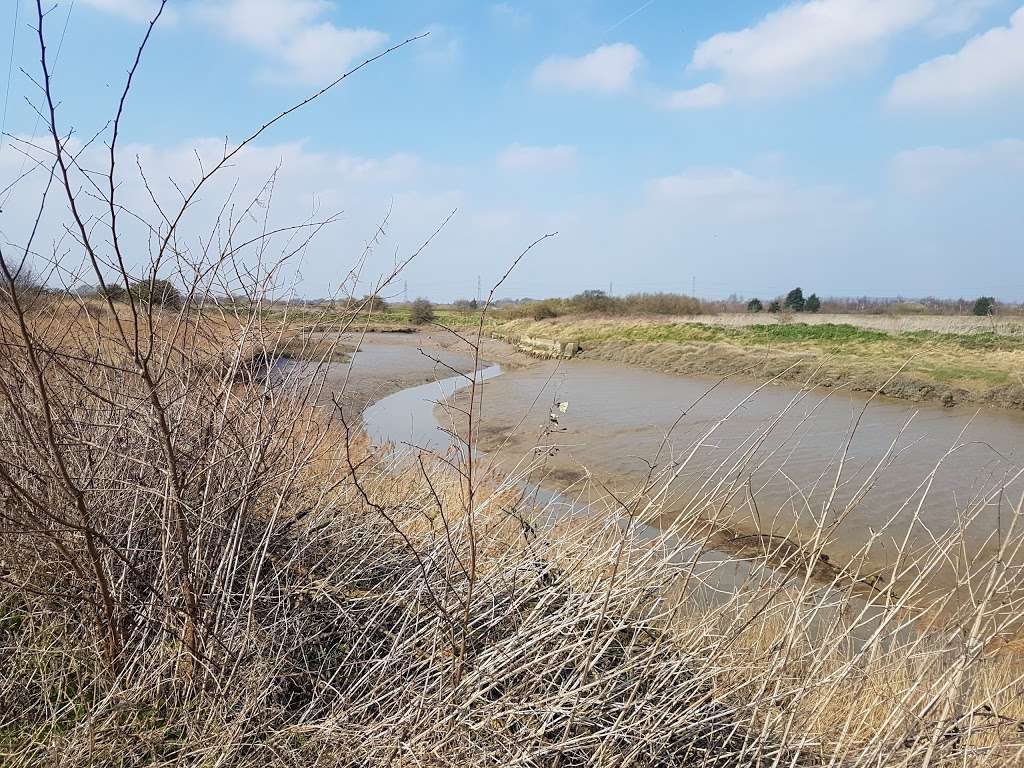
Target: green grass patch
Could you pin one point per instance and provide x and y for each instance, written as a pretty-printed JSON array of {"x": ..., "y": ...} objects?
[
  {"x": 832, "y": 336},
  {"x": 951, "y": 373},
  {"x": 792, "y": 333}
]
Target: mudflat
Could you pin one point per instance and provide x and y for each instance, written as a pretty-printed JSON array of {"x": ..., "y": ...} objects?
[{"x": 782, "y": 459}]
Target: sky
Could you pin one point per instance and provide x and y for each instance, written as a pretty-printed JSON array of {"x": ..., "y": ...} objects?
[{"x": 852, "y": 147}]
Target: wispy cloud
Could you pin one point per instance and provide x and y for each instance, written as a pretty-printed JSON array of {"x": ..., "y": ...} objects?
[
  {"x": 928, "y": 169},
  {"x": 805, "y": 43},
  {"x": 293, "y": 35},
  {"x": 136, "y": 10},
  {"x": 508, "y": 15},
  {"x": 441, "y": 49},
  {"x": 702, "y": 97},
  {"x": 607, "y": 69},
  {"x": 526, "y": 158}
]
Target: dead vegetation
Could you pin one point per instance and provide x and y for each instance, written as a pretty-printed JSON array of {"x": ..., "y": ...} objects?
[
  {"x": 198, "y": 567},
  {"x": 263, "y": 589}
]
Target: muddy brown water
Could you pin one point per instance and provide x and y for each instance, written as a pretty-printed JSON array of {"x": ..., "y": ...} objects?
[
  {"x": 780, "y": 449},
  {"x": 914, "y": 471}
]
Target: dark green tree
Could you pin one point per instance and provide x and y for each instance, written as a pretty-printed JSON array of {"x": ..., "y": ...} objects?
[
  {"x": 984, "y": 306},
  {"x": 775, "y": 306},
  {"x": 813, "y": 303},
  {"x": 794, "y": 300},
  {"x": 755, "y": 305}
]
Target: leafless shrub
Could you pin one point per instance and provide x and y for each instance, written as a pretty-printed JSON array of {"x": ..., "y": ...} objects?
[
  {"x": 198, "y": 567},
  {"x": 373, "y": 303},
  {"x": 23, "y": 288},
  {"x": 664, "y": 304},
  {"x": 421, "y": 312}
]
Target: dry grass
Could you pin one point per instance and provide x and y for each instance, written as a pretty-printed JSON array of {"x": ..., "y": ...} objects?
[
  {"x": 352, "y": 608},
  {"x": 200, "y": 568}
]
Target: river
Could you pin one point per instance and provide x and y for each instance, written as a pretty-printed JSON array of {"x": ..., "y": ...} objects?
[{"x": 790, "y": 461}]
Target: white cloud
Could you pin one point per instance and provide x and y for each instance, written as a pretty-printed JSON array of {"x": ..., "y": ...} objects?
[
  {"x": 525, "y": 158},
  {"x": 293, "y": 33},
  {"x": 136, "y": 10},
  {"x": 607, "y": 69},
  {"x": 701, "y": 97},
  {"x": 735, "y": 194},
  {"x": 441, "y": 49},
  {"x": 308, "y": 186},
  {"x": 509, "y": 15},
  {"x": 989, "y": 67},
  {"x": 955, "y": 16},
  {"x": 933, "y": 169},
  {"x": 813, "y": 42},
  {"x": 945, "y": 220},
  {"x": 952, "y": 214},
  {"x": 806, "y": 43}
]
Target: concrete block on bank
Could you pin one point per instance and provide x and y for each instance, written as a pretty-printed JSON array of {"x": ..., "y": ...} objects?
[{"x": 549, "y": 348}]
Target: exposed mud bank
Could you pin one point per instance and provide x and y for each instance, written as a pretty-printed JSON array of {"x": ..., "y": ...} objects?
[
  {"x": 922, "y": 366},
  {"x": 783, "y": 460},
  {"x": 728, "y": 360},
  {"x": 381, "y": 364}
]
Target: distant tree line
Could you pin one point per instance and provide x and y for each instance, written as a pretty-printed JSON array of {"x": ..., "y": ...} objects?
[
  {"x": 165, "y": 294},
  {"x": 28, "y": 288},
  {"x": 794, "y": 302},
  {"x": 598, "y": 302}
]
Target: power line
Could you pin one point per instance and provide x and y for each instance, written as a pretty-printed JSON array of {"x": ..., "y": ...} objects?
[
  {"x": 10, "y": 69},
  {"x": 35, "y": 127}
]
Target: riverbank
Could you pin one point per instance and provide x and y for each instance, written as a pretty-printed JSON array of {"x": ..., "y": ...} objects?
[
  {"x": 379, "y": 364},
  {"x": 388, "y": 612},
  {"x": 785, "y": 462},
  {"x": 976, "y": 367}
]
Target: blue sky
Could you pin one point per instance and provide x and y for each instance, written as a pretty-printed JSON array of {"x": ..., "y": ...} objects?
[{"x": 849, "y": 146}]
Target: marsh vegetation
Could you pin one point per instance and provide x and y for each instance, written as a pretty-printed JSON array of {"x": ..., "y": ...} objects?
[{"x": 203, "y": 564}]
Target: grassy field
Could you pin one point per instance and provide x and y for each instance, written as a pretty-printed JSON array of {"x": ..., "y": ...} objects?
[
  {"x": 1010, "y": 325},
  {"x": 951, "y": 361}
]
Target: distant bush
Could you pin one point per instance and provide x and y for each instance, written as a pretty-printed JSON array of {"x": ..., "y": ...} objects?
[
  {"x": 598, "y": 302},
  {"x": 114, "y": 291},
  {"x": 27, "y": 286},
  {"x": 593, "y": 301},
  {"x": 662, "y": 304},
  {"x": 466, "y": 305},
  {"x": 543, "y": 310},
  {"x": 984, "y": 306},
  {"x": 755, "y": 305},
  {"x": 775, "y": 306},
  {"x": 160, "y": 293},
  {"x": 794, "y": 300},
  {"x": 421, "y": 312},
  {"x": 373, "y": 303},
  {"x": 813, "y": 303},
  {"x": 908, "y": 308}
]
